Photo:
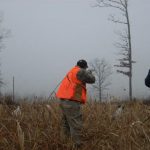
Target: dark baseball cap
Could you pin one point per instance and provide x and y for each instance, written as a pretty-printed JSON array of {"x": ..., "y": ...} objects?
[{"x": 82, "y": 63}]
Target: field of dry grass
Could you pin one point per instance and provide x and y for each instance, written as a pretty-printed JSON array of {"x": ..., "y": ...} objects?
[{"x": 39, "y": 129}]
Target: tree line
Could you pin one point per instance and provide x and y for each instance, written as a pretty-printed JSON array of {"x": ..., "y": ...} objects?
[{"x": 100, "y": 67}]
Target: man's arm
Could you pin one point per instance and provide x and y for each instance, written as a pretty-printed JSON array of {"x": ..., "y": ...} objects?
[
  {"x": 86, "y": 76},
  {"x": 147, "y": 80}
]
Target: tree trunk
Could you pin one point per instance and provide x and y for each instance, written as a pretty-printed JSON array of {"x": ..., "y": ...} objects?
[{"x": 130, "y": 54}]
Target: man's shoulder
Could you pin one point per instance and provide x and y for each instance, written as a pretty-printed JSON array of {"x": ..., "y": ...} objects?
[
  {"x": 85, "y": 76},
  {"x": 82, "y": 71}
]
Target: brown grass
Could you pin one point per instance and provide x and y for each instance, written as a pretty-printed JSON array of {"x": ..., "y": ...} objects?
[{"x": 40, "y": 129}]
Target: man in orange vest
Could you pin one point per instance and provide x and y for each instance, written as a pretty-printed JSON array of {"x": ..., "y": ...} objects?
[{"x": 72, "y": 93}]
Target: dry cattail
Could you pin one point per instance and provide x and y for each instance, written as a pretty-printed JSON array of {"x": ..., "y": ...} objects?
[{"x": 20, "y": 136}]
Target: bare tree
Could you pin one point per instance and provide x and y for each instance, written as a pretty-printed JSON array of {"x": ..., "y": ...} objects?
[
  {"x": 102, "y": 71},
  {"x": 3, "y": 34},
  {"x": 125, "y": 62}
]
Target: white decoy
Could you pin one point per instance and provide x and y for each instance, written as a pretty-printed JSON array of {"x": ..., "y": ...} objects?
[
  {"x": 17, "y": 111},
  {"x": 118, "y": 112}
]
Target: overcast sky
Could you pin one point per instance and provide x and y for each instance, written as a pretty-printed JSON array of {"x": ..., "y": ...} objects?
[{"x": 49, "y": 36}]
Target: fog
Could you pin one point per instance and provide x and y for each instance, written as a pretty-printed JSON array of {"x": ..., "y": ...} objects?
[{"x": 48, "y": 37}]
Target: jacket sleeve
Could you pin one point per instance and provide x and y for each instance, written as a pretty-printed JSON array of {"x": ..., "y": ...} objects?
[
  {"x": 86, "y": 76},
  {"x": 147, "y": 80}
]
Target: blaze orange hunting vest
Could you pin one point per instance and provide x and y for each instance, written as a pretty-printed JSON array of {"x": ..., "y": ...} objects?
[{"x": 71, "y": 88}]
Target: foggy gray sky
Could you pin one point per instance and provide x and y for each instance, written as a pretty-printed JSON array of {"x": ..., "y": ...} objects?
[{"x": 49, "y": 36}]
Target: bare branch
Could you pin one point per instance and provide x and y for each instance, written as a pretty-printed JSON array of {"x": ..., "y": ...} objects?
[
  {"x": 122, "y": 4},
  {"x": 3, "y": 34},
  {"x": 110, "y": 3},
  {"x": 113, "y": 19},
  {"x": 121, "y": 66},
  {"x": 123, "y": 72}
]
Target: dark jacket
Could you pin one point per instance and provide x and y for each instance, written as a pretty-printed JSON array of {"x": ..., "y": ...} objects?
[{"x": 147, "y": 80}]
